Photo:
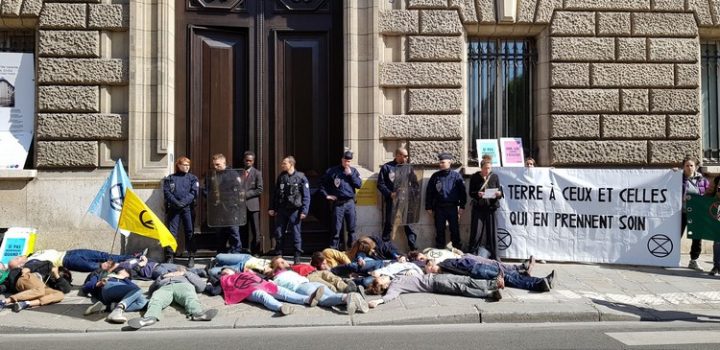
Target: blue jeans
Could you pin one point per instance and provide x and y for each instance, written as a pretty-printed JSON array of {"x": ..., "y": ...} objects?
[
  {"x": 329, "y": 297},
  {"x": 370, "y": 265},
  {"x": 234, "y": 261},
  {"x": 128, "y": 294},
  {"x": 272, "y": 301},
  {"x": 87, "y": 260}
]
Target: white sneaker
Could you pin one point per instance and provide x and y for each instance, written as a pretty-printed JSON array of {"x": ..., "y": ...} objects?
[
  {"x": 360, "y": 302},
  {"x": 94, "y": 308},
  {"x": 351, "y": 305},
  {"x": 117, "y": 316},
  {"x": 694, "y": 265}
]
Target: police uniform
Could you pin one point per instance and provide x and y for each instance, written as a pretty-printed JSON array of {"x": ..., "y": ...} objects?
[
  {"x": 336, "y": 183},
  {"x": 445, "y": 192},
  {"x": 180, "y": 191},
  {"x": 386, "y": 186},
  {"x": 291, "y": 199},
  {"x": 226, "y": 185}
]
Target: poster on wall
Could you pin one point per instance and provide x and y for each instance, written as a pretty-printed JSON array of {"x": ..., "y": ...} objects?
[
  {"x": 511, "y": 150},
  {"x": 489, "y": 147},
  {"x": 17, "y": 108},
  {"x": 614, "y": 216}
]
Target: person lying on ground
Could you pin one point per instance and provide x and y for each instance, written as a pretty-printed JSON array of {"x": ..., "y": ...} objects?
[
  {"x": 55, "y": 277},
  {"x": 440, "y": 255},
  {"x": 386, "y": 250},
  {"x": 321, "y": 273},
  {"x": 80, "y": 260},
  {"x": 478, "y": 270},
  {"x": 145, "y": 269},
  {"x": 180, "y": 287},
  {"x": 248, "y": 285},
  {"x": 29, "y": 291},
  {"x": 114, "y": 288},
  {"x": 285, "y": 277},
  {"x": 238, "y": 262},
  {"x": 434, "y": 283}
]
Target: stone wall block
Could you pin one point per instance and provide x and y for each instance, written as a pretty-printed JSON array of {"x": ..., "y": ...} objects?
[
  {"x": 435, "y": 48},
  {"x": 427, "y": 127},
  {"x": 66, "y": 43},
  {"x": 582, "y": 49},
  {"x": 466, "y": 9},
  {"x": 421, "y": 74},
  {"x": 11, "y": 8},
  {"x": 573, "y": 23},
  {"x": 63, "y": 16},
  {"x": 396, "y": 22},
  {"x": 570, "y": 74},
  {"x": 599, "y": 152},
  {"x": 668, "y": 5},
  {"x": 425, "y": 152},
  {"x": 672, "y": 152},
  {"x": 632, "y": 75},
  {"x": 81, "y": 127},
  {"x": 614, "y": 23},
  {"x": 31, "y": 8},
  {"x": 545, "y": 10},
  {"x": 486, "y": 10},
  {"x": 634, "y": 100},
  {"x": 715, "y": 10},
  {"x": 53, "y": 98},
  {"x": 66, "y": 154},
  {"x": 633, "y": 126},
  {"x": 673, "y": 50},
  {"x": 526, "y": 11},
  {"x": 82, "y": 71},
  {"x": 584, "y": 100},
  {"x": 607, "y": 5},
  {"x": 427, "y": 4},
  {"x": 687, "y": 75},
  {"x": 108, "y": 16},
  {"x": 674, "y": 100},
  {"x": 435, "y": 101},
  {"x": 440, "y": 22},
  {"x": 664, "y": 24},
  {"x": 701, "y": 9},
  {"x": 631, "y": 49},
  {"x": 575, "y": 126},
  {"x": 684, "y": 126}
]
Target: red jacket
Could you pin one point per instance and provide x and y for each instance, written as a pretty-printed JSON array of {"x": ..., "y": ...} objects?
[
  {"x": 303, "y": 269},
  {"x": 239, "y": 286}
]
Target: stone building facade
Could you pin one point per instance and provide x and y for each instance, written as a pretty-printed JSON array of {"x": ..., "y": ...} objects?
[{"x": 614, "y": 83}]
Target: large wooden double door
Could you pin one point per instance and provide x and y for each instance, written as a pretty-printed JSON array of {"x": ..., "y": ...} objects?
[{"x": 266, "y": 76}]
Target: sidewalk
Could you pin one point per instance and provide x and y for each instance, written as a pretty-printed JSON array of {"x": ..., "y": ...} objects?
[{"x": 586, "y": 293}]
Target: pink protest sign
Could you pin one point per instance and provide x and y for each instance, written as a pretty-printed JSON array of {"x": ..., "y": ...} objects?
[{"x": 512, "y": 152}]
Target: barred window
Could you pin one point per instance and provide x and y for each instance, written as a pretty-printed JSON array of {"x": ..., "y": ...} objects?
[
  {"x": 500, "y": 91},
  {"x": 710, "y": 52},
  {"x": 17, "y": 41}
]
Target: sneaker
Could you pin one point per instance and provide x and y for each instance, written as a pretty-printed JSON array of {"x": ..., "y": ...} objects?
[
  {"x": 140, "y": 322},
  {"x": 528, "y": 265},
  {"x": 495, "y": 295},
  {"x": 362, "y": 305},
  {"x": 191, "y": 262},
  {"x": 21, "y": 305},
  {"x": 551, "y": 278},
  {"x": 206, "y": 315},
  {"x": 3, "y": 304},
  {"x": 286, "y": 309},
  {"x": 694, "y": 265},
  {"x": 315, "y": 296},
  {"x": 117, "y": 316},
  {"x": 94, "y": 308},
  {"x": 361, "y": 291},
  {"x": 544, "y": 286},
  {"x": 714, "y": 271},
  {"x": 351, "y": 305}
]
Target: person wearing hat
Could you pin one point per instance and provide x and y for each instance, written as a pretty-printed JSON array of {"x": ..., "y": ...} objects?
[
  {"x": 445, "y": 200},
  {"x": 338, "y": 185}
]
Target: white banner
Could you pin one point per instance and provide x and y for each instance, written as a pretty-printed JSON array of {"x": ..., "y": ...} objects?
[
  {"x": 17, "y": 108},
  {"x": 590, "y": 215}
]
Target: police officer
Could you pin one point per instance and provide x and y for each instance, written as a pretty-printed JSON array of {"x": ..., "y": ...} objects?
[
  {"x": 225, "y": 182},
  {"x": 385, "y": 185},
  {"x": 252, "y": 187},
  {"x": 445, "y": 192},
  {"x": 181, "y": 190},
  {"x": 338, "y": 185},
  {"x": 290, "y": 205}
]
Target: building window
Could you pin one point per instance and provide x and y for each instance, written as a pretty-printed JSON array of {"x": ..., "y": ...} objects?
[
  {"x": 500, "y": 91},
  {"x": 710, "y": 52}
]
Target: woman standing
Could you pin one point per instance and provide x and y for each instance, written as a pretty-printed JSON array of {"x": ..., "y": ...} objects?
[
  {"x": 693, "y": 183},
  {"x": 181, "y": 190},
  {"x": 482, "y": 224}
]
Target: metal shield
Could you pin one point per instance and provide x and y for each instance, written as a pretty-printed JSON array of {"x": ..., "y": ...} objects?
[
  {"x": 225, "y": 198},
  {"x": 408, "y": 202}
]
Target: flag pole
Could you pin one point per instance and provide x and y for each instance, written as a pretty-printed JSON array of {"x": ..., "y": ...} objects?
[{"x": 114, "y": 239}]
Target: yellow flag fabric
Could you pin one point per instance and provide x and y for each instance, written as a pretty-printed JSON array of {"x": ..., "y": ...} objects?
[{"x": 137, "y": 217}]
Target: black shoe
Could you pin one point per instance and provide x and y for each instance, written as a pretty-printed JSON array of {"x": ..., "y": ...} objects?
[
  {"x": 206, "y": 315},
  {"x": 140, "y": 322},
  {"x": 495, "y": 296},
  {"x": 191, "y": 262},
  {"x": 551, "y": 279},
  {"x": 713, "y": 272},
  {"x": 296, "y": 259}
]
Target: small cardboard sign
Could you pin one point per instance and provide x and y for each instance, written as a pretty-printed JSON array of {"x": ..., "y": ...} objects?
[{"x": 17, "y": 241}]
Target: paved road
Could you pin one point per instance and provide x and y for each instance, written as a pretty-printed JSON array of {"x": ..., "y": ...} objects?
[{"x": 610, "y": 335}]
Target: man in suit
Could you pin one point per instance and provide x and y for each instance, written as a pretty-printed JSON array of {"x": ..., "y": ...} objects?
[{"x": 252, "y": 187}]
